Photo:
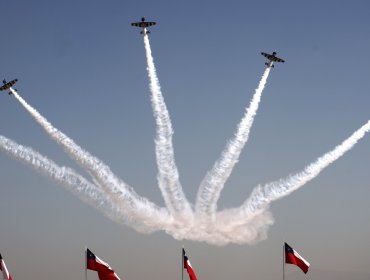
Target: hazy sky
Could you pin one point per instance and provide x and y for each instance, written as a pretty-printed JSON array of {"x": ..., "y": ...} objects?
[{"x": 83, "y": 66}]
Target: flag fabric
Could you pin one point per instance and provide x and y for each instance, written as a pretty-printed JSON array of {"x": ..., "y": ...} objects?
[
  {"x": 105, "y": 272},
  {"x": 292, "y": 257},
  {"x": 6, "y": 274},
  {"x": 188, "y": 266}
]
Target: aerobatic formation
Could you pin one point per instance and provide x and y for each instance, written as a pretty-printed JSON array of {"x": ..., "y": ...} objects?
[{"x": 247, "y": 223}]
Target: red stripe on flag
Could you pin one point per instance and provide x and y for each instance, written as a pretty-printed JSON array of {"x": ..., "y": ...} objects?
[
  {"x": 190, "y": 270},
  {"x": 6, "y": 274},
  {"x": 292, "y": 257},
  {"x": 105, "y": 272},
  {"x": 188, "y": 266}
]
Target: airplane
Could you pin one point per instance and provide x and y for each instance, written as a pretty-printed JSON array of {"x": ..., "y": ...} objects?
[
  {"x": 272, "y": 58},
  {"x": 7, "y": 85},
  {"x": 143, "y": 24}
]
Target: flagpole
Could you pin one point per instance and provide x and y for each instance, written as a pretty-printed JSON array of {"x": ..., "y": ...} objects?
[
  {"x": 1, "y": 267},
  {"x": 85, "y": 262},
  {"x": 283, "y": 260},
  {"x": 182, "y": 263}
]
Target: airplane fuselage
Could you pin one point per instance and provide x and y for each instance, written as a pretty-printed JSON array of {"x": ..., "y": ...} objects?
[{"x": 269, "y": 64}]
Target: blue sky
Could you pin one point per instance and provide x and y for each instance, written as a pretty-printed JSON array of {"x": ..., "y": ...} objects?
[{"x": 83, "y": 66}]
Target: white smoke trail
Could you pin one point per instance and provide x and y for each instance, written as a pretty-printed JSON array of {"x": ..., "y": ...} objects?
[
  {"x": 262, "y": 196},
  {"x": 168, "y": 176},
  {"x": 214, "y": 181},
  {"x": 247, "y": 224},
  {"x": 72, "y": 181},
  {"x": 138, "y": 208},
  {"x": 251, "y": 231}
]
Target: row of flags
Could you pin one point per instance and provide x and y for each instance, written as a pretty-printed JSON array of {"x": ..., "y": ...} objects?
[{"x": 105, "y": 272}]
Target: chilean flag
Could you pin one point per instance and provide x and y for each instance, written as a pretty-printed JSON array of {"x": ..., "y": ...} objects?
[
  {"x": 291, "y": 256},
  {"x": 188, "y": 266},
  {"x": 105, "y": 272},
  {"x": 6, "y": 274}
]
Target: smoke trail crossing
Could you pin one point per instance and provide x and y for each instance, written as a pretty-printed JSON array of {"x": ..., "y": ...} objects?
[
  {"x": 214, "y": 181},
  {"x": 134, "y": 205},
  {"x": 168, "y": 176}
]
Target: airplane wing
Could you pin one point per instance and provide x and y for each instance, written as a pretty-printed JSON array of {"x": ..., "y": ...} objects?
[
  {"x": 277, "y": 59},
  {"x": 266, "y": 55},
  {"x": 138, "y": 24},
  {"x": 143, "y": 24},
  {"x": 7, "y": 85}
]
